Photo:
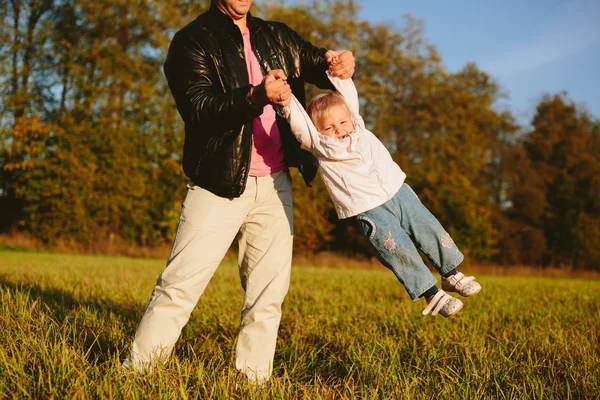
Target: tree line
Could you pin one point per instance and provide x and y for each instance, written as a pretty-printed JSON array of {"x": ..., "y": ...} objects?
[{"x": 90, "y": 140}]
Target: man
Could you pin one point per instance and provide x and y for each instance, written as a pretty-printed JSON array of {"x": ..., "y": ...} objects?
[{"x": 226, "y": 71}]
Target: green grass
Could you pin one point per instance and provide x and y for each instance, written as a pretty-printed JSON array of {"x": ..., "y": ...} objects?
[{"x": 67, "y": 321}]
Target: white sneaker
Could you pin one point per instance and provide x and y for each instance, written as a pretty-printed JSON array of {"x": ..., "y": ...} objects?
[
  {"x": 461, "y": 284},
  {"x": 442, "y": 303}
]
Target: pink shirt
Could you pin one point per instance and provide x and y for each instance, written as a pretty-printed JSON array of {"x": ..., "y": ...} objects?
[{"x": 267, "y": 153}]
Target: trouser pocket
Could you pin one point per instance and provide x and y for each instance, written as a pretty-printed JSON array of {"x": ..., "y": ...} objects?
[{"x": 368, "y": 226}]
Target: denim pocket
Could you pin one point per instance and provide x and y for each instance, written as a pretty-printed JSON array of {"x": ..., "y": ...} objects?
[{"x": 367, "y": 225}]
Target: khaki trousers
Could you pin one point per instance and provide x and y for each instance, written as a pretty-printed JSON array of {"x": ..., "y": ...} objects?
[{"x": 262, "y": 221}]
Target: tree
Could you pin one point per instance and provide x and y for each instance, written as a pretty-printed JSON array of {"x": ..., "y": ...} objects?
[
  {"x": 90, "y": 139},
  {"x": 95, "y": 153},
  {"x": 22, "y": 94},
  {"x": 555, "y": 187}
]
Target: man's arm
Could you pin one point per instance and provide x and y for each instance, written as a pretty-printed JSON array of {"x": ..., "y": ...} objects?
[
  {"x": 314, "y": 61},
  {"x": 190, "y": 75}
]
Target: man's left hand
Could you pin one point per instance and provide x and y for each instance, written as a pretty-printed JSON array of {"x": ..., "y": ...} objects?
[{"x": 341, "y": 63}]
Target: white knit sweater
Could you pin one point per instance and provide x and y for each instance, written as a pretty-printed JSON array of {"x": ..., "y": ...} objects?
[{"x": 358, "y": 171}]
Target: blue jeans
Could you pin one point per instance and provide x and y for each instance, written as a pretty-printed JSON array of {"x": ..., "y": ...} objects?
[{"x": 395, "y": 227}]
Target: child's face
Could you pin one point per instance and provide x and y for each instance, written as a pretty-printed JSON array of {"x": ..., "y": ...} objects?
[{"x": 337, "y": 122}]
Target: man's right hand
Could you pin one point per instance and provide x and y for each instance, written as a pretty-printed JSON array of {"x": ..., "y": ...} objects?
[
  {"x": 341, "y": 63},
  {"x": 273, "y": 90}
]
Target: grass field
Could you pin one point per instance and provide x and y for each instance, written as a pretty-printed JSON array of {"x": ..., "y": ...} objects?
[{"x": 66, "y": 322}]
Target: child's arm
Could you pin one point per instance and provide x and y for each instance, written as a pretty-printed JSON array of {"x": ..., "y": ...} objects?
[
  {"x": 302, "y": 127},
  {"x": 346, "y": 88}
]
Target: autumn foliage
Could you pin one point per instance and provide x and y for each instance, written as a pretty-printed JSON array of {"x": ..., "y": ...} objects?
[{"x": 90, "y": 141}]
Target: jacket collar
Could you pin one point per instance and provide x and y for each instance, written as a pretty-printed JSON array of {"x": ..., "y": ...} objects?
[{"x": 222, "y": 19}]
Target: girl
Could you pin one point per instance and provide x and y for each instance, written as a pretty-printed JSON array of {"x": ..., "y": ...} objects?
[{"x": 364, "y": 182}]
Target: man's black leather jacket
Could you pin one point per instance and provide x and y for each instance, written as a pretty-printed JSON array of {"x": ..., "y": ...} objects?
[{"x": 207, "y": 75}]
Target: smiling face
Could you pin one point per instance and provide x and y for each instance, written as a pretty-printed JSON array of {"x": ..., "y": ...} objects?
[
  {"x": 235, "y": 9},
  {"x": 336, "y": 122}
]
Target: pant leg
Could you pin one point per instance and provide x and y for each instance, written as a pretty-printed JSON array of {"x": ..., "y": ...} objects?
[
  {"x": 265, "y": 244},
  {"x": 207, "y": 226},
  {"x": 395, "y": 249},
  {"x": 426, "y": 231}
]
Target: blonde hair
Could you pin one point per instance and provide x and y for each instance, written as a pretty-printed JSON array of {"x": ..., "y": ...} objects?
[{"x": 322, "y": 103}]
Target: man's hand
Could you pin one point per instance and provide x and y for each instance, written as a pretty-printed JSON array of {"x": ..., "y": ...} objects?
[
  {"x": 273, "y": 90},
  {"x": 341, "y": 63}
]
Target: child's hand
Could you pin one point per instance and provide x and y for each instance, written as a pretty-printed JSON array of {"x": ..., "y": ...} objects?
[{"x": 341, "y": 63}]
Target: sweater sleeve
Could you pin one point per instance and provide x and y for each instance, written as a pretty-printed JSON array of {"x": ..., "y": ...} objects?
[
  {"x": 347, "y": 89},
  {"x": 302, "y": 127}
]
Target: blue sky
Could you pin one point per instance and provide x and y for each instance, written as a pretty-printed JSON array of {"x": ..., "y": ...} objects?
[{"x": 531, "y": 47}]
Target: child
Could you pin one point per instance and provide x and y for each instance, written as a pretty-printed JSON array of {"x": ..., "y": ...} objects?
[{"x": 364, "y": 182}]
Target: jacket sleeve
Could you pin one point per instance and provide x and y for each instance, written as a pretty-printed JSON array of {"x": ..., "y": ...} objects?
[
  {"x": 301, "y": 125},
  {"x": 313, "y": 64},
  {"x": 189, "y": 72}
]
